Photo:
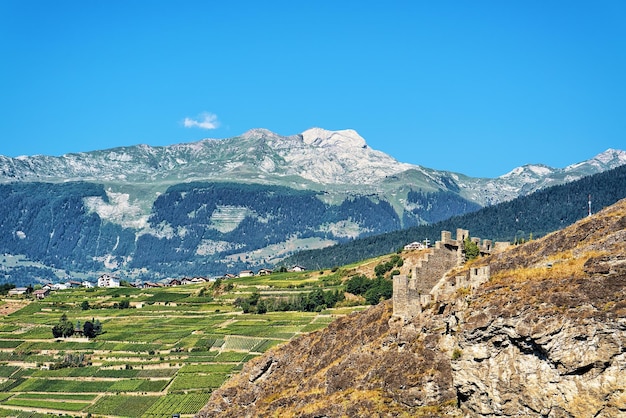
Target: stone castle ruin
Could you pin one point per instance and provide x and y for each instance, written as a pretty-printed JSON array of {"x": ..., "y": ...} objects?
[{"x": 425, "y": 285}]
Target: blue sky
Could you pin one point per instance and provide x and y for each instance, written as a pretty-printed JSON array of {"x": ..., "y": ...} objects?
[{"x": 477, "y": 87}]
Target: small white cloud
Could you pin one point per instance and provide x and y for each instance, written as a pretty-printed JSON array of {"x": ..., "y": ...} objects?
[{"x": 205, "y": 120}]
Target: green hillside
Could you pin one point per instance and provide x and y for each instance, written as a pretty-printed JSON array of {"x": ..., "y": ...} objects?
[{"x": 163, "y": 350}]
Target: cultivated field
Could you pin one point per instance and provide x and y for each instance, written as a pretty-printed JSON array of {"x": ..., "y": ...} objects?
[{"x": 163, "y": 355}]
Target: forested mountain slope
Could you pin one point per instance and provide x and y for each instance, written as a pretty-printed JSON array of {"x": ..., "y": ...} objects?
[{"x": 529, "y": 216}]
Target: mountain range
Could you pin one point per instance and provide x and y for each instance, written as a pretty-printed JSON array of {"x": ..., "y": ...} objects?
[
  {"x": 216, "y": 205},
  {"x": 317, "y": 159}
]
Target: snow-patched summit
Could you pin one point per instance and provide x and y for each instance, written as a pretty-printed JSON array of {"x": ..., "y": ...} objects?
[
  {"x": 340, "y": 157},
  {"x": 530, "y": 171}
]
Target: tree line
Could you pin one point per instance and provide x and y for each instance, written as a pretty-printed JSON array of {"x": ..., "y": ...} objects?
[{"x": 65, "y": 328}]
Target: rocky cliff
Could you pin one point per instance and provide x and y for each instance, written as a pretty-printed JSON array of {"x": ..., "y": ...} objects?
[{"x": 545, "y": 336}]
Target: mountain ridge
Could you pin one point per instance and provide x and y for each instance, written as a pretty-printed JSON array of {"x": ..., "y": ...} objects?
[{"x": 158, "y": 161}]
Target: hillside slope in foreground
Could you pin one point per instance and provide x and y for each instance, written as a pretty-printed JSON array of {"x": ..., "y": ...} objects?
[{"x": 545, "y": 336}]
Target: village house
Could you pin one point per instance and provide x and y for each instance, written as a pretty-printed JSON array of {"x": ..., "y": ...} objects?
[
  {"x": 73, "y": 284},
  {"x": 18, "y": 291},
  {"x": 415, "y": 246},
  {"x": 147, "y": 285},
  {"x": 297, "y": 268},
  {"x": 41, "y": 293},
  {"x": 108, "y": 281},
  {"x": 174, "y": 282},
  {"x": 86, "y": 284},
  {"x": 264, "y": 272},
  {"x": 246, "y": 273},
  {"x": 229, "y": 276}
]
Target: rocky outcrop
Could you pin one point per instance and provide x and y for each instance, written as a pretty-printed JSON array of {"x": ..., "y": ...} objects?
[
  {"x": 536, "y": 365},
  {"x": 547, "y": 336}
]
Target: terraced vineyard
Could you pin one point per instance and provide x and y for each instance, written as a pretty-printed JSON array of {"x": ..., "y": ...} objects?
[{"x": 163, "y": 355}]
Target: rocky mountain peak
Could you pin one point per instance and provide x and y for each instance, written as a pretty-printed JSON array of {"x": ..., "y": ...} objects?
[
  {"x": 347, "y": 138},
  {"x": 258, "y": 133},
  {"x": 611, "y": 158},
  {"x": 529, "y": 171}
]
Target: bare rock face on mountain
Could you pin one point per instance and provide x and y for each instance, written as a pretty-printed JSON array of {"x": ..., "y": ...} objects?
[
  {"x": 545, "y": 337},
  {"x": 537, "y": 365}
]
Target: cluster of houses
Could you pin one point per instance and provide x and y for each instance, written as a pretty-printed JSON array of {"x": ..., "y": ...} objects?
[
  {"x": 109, "y": 281},
  {"x": 261, "y": 272},
  {"x": 48, "y": 287},
  {"x": 196, "y": 280}
]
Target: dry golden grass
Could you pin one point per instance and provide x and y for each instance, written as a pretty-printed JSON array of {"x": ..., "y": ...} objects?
[
  {"x": 560, "y": 265},
  {"x": 365, "y": 403},
  {"x": 8, "y": 307}
]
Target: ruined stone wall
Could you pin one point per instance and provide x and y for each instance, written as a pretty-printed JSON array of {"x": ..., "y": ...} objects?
[
  {"x": 411, "y": 294},
  {"x": 430, "y": 272},
  {"x": 478, "y": 276},
  {"x": 405, "y": 296}
]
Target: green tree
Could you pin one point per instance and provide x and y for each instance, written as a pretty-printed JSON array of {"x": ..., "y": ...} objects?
[
  {"x": 64, "y": 328},
  {"x": 358, "y": 284},
  {"x": 254, "y": 298},
  {"x": 4, "y": 288},
  {"x": 246, "y": 307},
  {"x": 381, "y": 289},
  {"x": 89, "y": 329},
  {"x": 471, "y": 249},
  {"x": 260, "y": 307},
  {"x": 97, "y": 326},
  {"x": 85, "y": 305},
  {"x": 380, "y": 269}
]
